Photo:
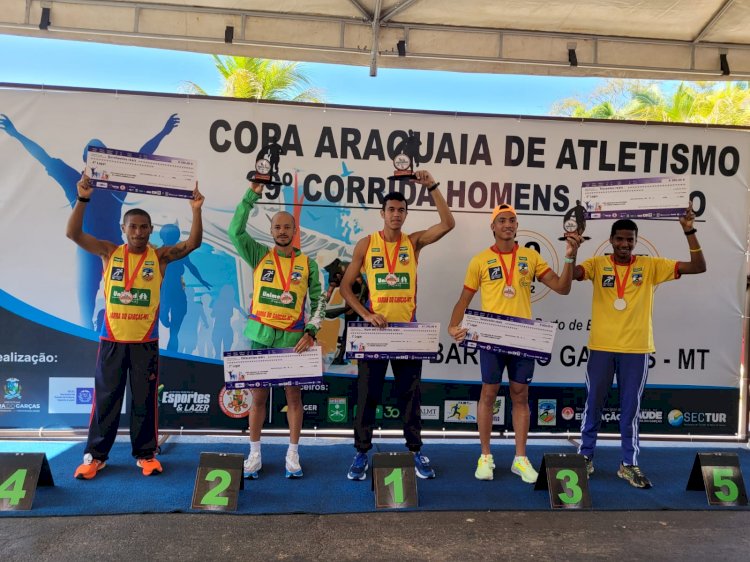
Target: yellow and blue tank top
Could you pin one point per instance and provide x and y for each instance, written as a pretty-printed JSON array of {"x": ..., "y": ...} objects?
[
  {"x": 392, "y": 295},
  {"x": 268, "y": 306},
  {"x": 138, "y": 320}
]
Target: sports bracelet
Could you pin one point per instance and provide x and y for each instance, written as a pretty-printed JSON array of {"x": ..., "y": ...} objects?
[
  {"x": 694, "y": 250},
  {"x": 570, "y": 260},
  {"x": 691, "y": 231},
  {"x": 433, "y": 187},
  {"x": 84, "y": 199}
]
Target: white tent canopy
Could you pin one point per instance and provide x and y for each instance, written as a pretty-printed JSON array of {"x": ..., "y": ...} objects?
[{"x": 677, "y": 39}]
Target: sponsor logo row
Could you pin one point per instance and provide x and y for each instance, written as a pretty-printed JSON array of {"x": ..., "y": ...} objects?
[{"x": 75, "y": 395}]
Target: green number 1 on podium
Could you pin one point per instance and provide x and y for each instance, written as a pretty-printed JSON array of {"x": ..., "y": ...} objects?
[{"x": 396, "y": 478}]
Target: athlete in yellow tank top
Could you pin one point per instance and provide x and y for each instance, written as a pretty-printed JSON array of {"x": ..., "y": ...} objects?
[
  {"x": 128, "y": 345},
  {"x": 389, "y": 261}
]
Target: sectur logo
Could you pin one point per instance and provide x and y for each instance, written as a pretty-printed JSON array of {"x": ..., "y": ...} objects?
[
  {"x": 675, "y": 418},
  {"x": 12, "y": 389}
]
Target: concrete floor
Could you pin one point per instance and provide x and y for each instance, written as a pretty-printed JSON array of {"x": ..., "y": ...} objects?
[{"x": 454, "y": 536}]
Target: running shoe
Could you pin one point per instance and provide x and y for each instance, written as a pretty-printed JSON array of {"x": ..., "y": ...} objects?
[
  {"x": 485, "y": 466},
  {"x": 293, "y": 468},
  {"x": 634, "y": 475},
  {"x": 589, "y": 462},
  {"x": 150, "y": 466},
  {"x": 252, "y": 466},
  {"x": 358, "y": 469},
  {"x": 523, "y": 468},
  {"x": 89, "y": 468},
  {"x": 422, "y": 466}
]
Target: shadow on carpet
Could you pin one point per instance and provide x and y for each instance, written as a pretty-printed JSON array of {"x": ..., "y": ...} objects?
[{"x": 120, "y": 487}]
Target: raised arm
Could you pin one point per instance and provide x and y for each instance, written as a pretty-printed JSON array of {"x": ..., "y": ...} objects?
[
  {"x": 180, "y": 250},
  {"x": 74, "y": 229},
  {"x": 360, "y": 250},
  {"x": 561, "y": 283},
  {"x": 151, "y": 145},
  {"x": 454, "y": 326},
  {"x": 423, "y": 238},
  {"x": 247, "y": 247},
  {"x": 697, "y": 263}
]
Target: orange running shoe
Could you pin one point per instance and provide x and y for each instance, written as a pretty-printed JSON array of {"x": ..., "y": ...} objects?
[
  {"x": 89, "y": 468},
  {"x": 150, "y": 466}
]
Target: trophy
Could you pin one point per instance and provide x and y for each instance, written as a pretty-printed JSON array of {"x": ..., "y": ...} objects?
[
  {"x": 574, "y": 221},
  {"x": 406, "y": 153},
  {"x": 267, "y": 165}
]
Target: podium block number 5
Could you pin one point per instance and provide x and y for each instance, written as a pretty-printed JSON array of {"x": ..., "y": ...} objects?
[{"x": 722, "y": 483}]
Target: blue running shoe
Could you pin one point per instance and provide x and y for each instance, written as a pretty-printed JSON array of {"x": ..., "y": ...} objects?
[
  {"x": 358, "y": 469},
  {"x": 422, "y": 466}
]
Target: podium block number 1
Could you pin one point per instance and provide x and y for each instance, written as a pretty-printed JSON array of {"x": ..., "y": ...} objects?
[{"x": 396, "y": 478}]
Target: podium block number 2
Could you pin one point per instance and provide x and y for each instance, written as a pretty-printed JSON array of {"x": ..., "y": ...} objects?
[
  {"x": 218, "y": 482},
  {"x": 213, "y": 496}
]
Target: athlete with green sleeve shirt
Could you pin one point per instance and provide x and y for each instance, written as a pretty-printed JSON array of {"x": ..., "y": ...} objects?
[{"x": 283, "y": 279}]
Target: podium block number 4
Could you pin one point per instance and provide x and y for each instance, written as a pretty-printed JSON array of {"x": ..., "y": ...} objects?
[{"x": 13, "y": 489}]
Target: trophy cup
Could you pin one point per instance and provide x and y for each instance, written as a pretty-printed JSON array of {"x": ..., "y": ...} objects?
[
  {"x": 267, "y": 165},
  {"x": 406, "y": 153},
  {"x": 574, "y": 221}
]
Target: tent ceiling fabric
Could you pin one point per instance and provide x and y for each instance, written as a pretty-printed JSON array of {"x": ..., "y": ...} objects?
[{"x": 676, "y": 39}]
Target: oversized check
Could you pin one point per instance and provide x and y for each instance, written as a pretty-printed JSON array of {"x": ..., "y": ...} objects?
[
  {"x": 400, "y": 340},
  {"x": 508, "y": 334},
  {"x": 639, "y": 198},
  {"x": 255, "y": 368},
  {"x": 134, "y": 172}
]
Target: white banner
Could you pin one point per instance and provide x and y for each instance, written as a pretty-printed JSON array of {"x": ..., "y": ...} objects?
[{"x": 334, "y": 168}]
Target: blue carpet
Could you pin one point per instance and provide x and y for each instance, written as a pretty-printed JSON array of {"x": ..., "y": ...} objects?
[{"x": 120, "y": 488}]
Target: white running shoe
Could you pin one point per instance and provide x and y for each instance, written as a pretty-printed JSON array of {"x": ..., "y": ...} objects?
[
  {"x": 252, "y": 466},
  {"x": 293, "y": 468}
]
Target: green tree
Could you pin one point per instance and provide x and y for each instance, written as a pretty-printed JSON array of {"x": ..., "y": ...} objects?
[
  {"x": 714, "y": 103},
  {"x": 245, "y": 77}
]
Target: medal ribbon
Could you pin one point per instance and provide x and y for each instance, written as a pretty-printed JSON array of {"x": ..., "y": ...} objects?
[
  {"x": 285, "y": 282},
  {"x": 508, "y": 273},
  {"x": 621, "y": 285},
  {"x": 391, "y": 261},
  {"x": 130, "y": 280}
]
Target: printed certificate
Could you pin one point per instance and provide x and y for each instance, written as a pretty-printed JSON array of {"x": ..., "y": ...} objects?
[
  {"x": 640, "y": 198},
  {"x": 147, "y": 174},
  {"x": 508, "y": 334},
  {"x": 272, "y": 367},
  {"x": 400, "y": 340}
]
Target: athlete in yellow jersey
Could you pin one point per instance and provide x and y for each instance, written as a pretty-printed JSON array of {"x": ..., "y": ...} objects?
[
  {"x": 389, "y": 261},
  {"x": 284, "y": 278},
  {"x": 503, "y": 273},
  {"x": 622, "y": 335},
  {"x": 129, "y": 344}
]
